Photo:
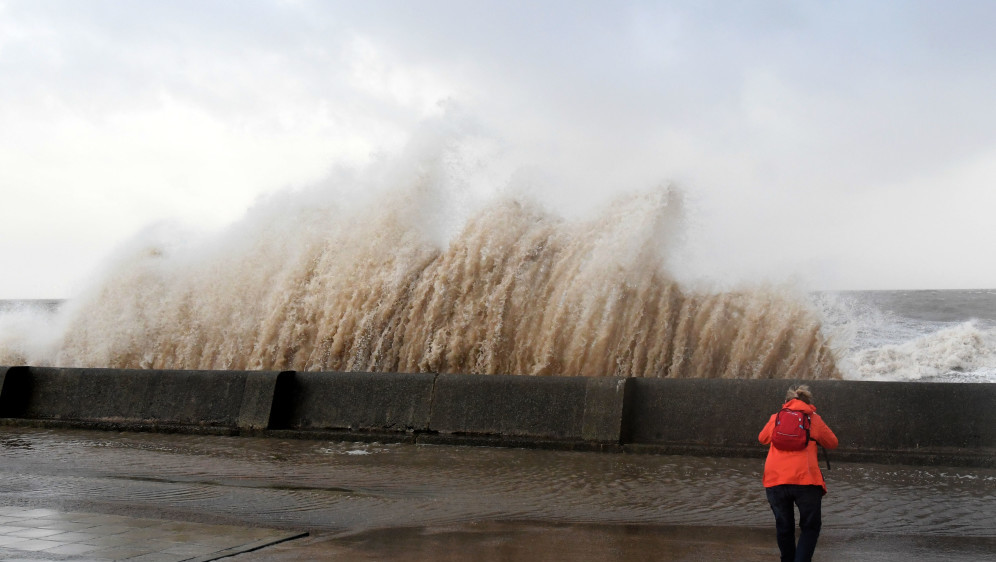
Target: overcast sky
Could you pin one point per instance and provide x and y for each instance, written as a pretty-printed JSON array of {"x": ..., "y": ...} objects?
[{"x": 851, "y": 145}]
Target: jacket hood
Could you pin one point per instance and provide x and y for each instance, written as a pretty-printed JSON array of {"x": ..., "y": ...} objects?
[{"x": 799, "y": 405}]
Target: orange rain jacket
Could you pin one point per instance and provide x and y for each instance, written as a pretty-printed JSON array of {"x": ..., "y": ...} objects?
[{"x": 797, "y": 467}]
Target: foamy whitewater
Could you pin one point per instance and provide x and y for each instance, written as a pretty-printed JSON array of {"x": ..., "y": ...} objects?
[
  {"x": 397, "y": 269},
  {"x": 928, "y": 336}
]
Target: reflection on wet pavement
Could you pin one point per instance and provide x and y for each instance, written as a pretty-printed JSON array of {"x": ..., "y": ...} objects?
[
  {"x": 527, "y": 542},
  {"x": 347, "y": 488}
]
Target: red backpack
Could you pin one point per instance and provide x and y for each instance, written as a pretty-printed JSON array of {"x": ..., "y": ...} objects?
[{"x": 791, "y": 430}]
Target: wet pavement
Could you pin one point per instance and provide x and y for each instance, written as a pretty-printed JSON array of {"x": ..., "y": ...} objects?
[
  {"x": 45, "y": 534},
  {"x": 384, "y": 502},
  {"x": 504, "y": 542}
]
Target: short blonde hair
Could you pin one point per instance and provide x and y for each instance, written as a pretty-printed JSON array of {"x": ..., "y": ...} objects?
[{"x": 800, "y": 392}]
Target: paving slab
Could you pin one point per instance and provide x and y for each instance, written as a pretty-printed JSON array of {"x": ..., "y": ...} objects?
[{"x": 46, "y": 534}]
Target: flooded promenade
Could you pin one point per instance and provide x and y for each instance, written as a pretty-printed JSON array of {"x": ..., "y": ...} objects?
[{"x": 362, "y": 501}]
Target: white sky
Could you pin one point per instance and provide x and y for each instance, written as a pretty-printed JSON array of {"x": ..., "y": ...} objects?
[{"x": 851, "y": 145}]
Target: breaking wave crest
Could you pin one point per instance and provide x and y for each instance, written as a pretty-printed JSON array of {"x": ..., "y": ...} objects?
[
  {"x": 321, "y": 283},
  {"x": 964, "y": 352}
]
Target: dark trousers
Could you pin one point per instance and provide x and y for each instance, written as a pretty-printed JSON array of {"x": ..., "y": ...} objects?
[{"x": 783, "y": 500}]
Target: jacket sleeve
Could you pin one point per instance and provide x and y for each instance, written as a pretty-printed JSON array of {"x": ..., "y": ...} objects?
[
  {"x": 822, "y": 433},
  {"x": 765, "y": 436}
]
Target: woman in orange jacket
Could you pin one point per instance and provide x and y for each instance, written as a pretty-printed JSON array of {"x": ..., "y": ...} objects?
[{"x": 793, "y": 478}]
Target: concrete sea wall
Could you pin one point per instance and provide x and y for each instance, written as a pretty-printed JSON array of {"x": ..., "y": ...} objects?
[{"x": 921, "y": 423}]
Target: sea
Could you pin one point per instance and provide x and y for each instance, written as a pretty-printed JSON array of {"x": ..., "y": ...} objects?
[
  {"x": 924, "y": 335},
  {"x": 909, "y": 335}
]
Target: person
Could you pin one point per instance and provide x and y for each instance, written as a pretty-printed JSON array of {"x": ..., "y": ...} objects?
[{"x": 793, "y": 478}]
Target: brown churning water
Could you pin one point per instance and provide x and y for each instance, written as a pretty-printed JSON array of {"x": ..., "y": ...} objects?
[{"x": 517, "y": 291}]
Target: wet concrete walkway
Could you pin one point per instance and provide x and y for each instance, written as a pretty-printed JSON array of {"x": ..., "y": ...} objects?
[
  {"x": 174, "y": 494},
  {"x": 46, "y": 534}
]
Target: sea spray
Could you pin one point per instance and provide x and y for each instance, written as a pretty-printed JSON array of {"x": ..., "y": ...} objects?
[
  {"x": 29, "y": 331},
  {"x": 432, "y": 262},
  {"x": 365, "y": 287}
]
